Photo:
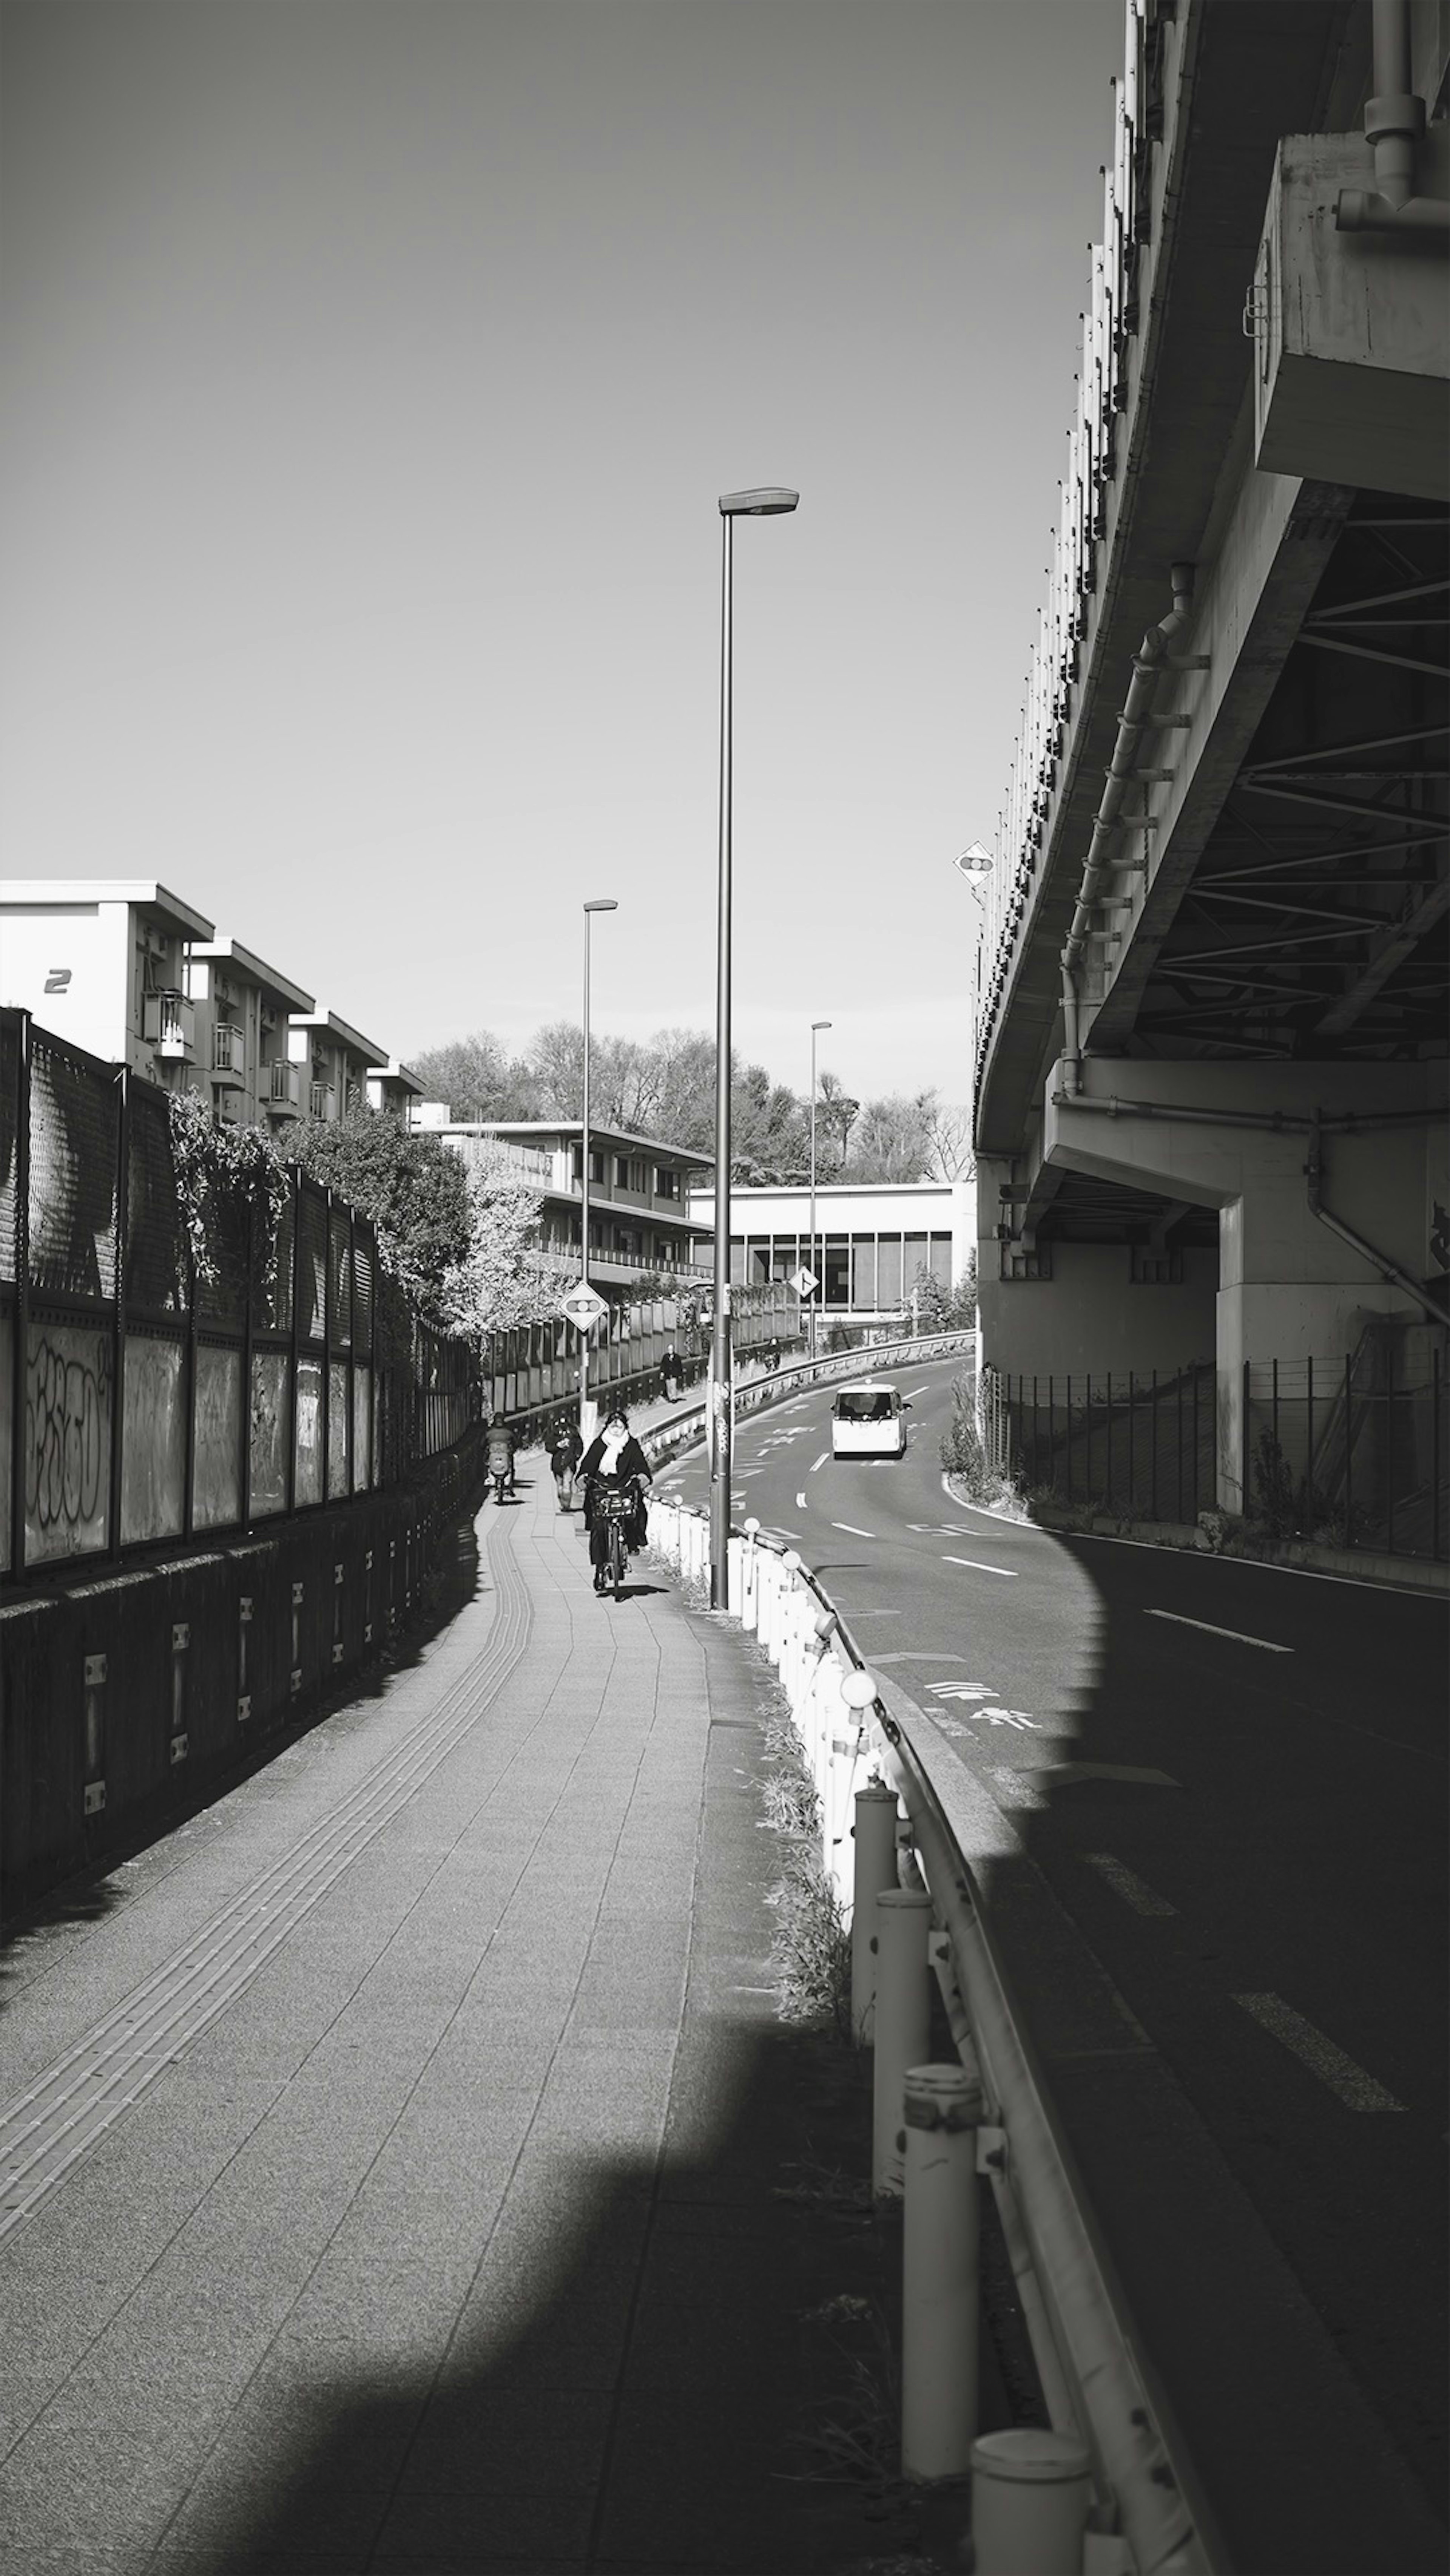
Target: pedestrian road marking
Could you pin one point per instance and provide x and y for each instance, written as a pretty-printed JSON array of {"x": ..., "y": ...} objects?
[
  {"x": 851, "y": 1530},
  {"x": 1007, "y": 1717},
  {"x": 1207, "y": 1625},
  {"x": 977, "y": 1568},
  {"x": 1126, "y": 1883},
  {"x": 819, "y": 1462},
  {"x": 1358, "y": 2090}
]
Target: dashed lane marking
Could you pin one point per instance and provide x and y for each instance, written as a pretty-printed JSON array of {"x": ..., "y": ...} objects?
[
  {"x": 1357, "y": 2090},
  {"x": 907, "y": 1655},
  {"x": 851, "y": 1530},
  {"x": 819, "y": 1462},
  {"x": 1181, "y": 1621},
  {"x": 800, "y": 1503},
  {"x": 1126, "y": 1883},
  {"x": 977, "y": 1568}
]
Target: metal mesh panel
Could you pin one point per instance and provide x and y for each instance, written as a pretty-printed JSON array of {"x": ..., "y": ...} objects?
[
  {"x": 341, "y": 1277},
  {"x": 9, "y": 1130},
  {"x": 311, "y": 1268},
  {"x": 363, "y": 1289},
  {"x": 155, "y": 1233},
  {"x": 72, "y": 1213},
  {"x": 221, "y": 1287}
]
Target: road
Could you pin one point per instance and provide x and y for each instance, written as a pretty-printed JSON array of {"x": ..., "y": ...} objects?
[{"x": 1232, "y": 1779}]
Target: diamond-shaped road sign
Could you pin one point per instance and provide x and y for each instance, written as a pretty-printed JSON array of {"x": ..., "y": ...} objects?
[
  {"x": 803, "y": 1281},
  {"x": 583, "y": 1305}
]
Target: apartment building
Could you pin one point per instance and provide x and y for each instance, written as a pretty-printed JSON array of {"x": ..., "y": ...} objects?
[
  {"x": 241, "y": 1013},
  {"x": 334, "y": 1061},
  {"x": 640, "y": 1220},
  {"x": 102, "y": 961}
]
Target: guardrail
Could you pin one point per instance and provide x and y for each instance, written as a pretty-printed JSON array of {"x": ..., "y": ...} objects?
[{"x": 1110, "y": 2429}]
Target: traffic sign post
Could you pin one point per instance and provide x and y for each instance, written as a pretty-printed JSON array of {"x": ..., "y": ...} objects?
[
  {"x": 804, "y": 1281},
  {"x": 583, "y": 1306}
]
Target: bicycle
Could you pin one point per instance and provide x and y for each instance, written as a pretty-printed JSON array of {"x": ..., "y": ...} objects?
[{"x": 616, "y": 1509}]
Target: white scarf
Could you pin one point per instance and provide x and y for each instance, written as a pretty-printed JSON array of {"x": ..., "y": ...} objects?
[{"x": 611, "y": 1444}]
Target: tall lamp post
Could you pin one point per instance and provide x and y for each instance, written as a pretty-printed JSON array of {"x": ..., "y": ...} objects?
[
  {"x": 770, "y": 503},
  {"x": 601, "y": 903},
  {"x": 811, "y": 1316},
  {"x": 974, "y": 865}
]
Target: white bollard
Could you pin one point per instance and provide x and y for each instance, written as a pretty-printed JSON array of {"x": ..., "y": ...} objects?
[
  {"x": 939, "y": 2272},
  {"x": 750, "y": 1589},
  {"x": 874, "y": 1868},
  {"x": 1030, "y": 2496},
  {"x": 734, "y": 1578},
  {"x": 903, "y": 2023}
]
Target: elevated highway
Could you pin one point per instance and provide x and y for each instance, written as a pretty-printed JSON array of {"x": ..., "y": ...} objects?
[{"x": 1211, "y": 1035}]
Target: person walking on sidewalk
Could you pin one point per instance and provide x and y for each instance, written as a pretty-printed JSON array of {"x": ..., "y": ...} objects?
[
  {"x": 565, "y": 1451},
  {"x": 671, "y": 1371},
  {"x": 613, "y": 1460}
]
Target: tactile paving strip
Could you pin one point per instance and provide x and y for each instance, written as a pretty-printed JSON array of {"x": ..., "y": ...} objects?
[{"x": 45, "y": 2133}]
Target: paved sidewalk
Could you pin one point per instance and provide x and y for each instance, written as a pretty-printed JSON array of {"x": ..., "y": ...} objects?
[{"x": 438, "y": 2226}]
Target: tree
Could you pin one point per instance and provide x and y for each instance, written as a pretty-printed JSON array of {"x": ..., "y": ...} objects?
[
  {"x": 940, "y": 1311},
  {"x": 411, "y": 1187},
  {"x": 951, "y": 1141},
  {"x": 500, "y": 1278},
  {"x": 893, "y": 1140},
  {"x": 837, "y": 1113},
  {"x": 477, "y": 1078}
]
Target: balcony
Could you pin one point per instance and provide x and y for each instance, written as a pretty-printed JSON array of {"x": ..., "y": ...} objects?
[
  {"x": 320, "y": 1098},
  {"x": 168, "y": 1023},
  {"x": 285, "y": 1096},
  {"x": 228, "y": 1054}
]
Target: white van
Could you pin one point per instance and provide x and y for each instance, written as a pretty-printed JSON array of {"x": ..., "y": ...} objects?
[{"x": 868, "y": 1420}]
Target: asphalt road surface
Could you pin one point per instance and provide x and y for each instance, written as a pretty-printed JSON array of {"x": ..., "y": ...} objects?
[{"x": 1232, "y": 1779}]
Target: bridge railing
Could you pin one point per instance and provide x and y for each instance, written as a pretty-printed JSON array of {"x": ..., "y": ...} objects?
[{"x": 857, "y": 1729}]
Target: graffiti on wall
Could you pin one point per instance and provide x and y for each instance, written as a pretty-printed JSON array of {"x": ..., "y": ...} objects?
[
  {"x": 153, "y": 1454},
  {"x": 69, "y": 1396},
  {"x": 337, "y": 1440},
  {"x": 309, "y": 1431}
]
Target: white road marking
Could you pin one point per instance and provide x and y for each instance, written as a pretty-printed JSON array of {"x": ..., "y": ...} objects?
[
  {"x": 819, "y": 1462},
  {"x": 954, "y": 1690},
  {"x": 851, "y": 1530},
  {"x": 800, "y": 1502},
  {"x": 1009, "y": 1570},
  {"x": 948, "y": 1529},
  {"x": 1138, "y": 1775},
  {"x": 1179, "y": 1619},
  {"x": 909, "y": 1656},
  {"x": 1126, "y": 1883},
  {"x": 1358, "y": 2090},
  {"x": 1008, "y": 1717}
]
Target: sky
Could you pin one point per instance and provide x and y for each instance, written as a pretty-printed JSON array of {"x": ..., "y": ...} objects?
[{"x": 371, "y": 371}]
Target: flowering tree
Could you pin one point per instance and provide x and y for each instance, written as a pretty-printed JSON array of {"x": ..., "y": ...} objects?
[{"x": 501, "y": 1279}]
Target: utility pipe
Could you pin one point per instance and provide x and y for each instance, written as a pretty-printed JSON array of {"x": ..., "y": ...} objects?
[
  {"x": 1394, "y": 124},
  {"x": 1272, "y": 1121},
  {"x": 1148, "y": 664}
]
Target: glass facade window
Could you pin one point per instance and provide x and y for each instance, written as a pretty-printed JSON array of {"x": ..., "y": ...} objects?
[
  {"x": 837, "y": 1275},
  {"x": 914, "y": 1256},
  {"x": 941, "y": 1261},
  {"x": 863, "y": 1270},
  {"x": 888, "y": 1270},
  {"x": 757, "y": 1265},
  {"x": 784, "y": 1255}
]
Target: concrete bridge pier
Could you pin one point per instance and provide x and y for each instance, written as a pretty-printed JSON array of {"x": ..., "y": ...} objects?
[{"x": 1362, "y": 1145}]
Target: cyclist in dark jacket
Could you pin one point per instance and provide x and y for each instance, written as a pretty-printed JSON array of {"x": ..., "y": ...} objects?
[{"x": 613, "y": 1460}]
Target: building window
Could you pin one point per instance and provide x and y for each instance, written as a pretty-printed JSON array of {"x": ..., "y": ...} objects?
[
  {"x": 621, "y": 1171},
  {"x": 596, "y": 1167},
  {"x": 941, "y": 1261},
  {"x": 837, "y": 1287},
  {"x": 667, "y": 1183},
  {"x": 757, "y": 1265},
  {"x": 863, "y": 1270},
  {"x": 888, "y": 1271},
  {"x": 737, "y": 1260},
  {"x": 785, "y": 1255}
]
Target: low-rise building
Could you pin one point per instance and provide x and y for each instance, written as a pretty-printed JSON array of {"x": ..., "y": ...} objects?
[
  {"x": 872, "y": 1242},
  {"x": 641, "y": 1222},
  {"x": 336, "y": 1060},
  {"x": 393, "y": 1088},
  {"x": 242, "y": 1009},
  {"x": 102, "y": 961}
]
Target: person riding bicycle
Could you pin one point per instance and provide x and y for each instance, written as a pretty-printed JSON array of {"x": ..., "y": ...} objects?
[
  {"x": 501, "y": 1454},
  {"x": 612, "y": 1461}
]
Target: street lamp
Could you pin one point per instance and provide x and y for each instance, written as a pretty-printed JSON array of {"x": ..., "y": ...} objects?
[
  {"x": 770, "y": 503},
  {"x": 601, "y": 903},
  {"x": 811, "y": 1315}
]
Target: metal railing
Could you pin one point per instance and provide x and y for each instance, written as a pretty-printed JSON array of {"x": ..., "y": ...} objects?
[
  {"x": 856, "y": 1729},
  {"x": 1144, "y": 1446}
]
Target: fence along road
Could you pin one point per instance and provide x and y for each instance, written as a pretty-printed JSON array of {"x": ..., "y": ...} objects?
[{"x": 1244, "y": 1840}]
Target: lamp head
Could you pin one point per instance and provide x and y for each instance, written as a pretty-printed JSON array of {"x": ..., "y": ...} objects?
[
  {"x": 769, "y": 503},
  {"x": 820, "y": 1024},
  {"x": 602, "y": 903}
]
